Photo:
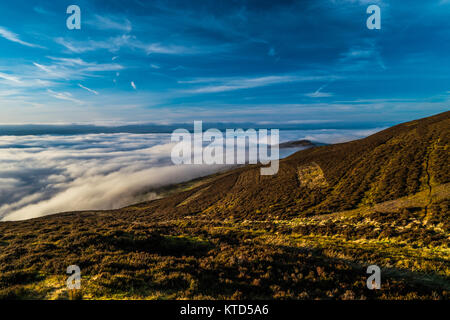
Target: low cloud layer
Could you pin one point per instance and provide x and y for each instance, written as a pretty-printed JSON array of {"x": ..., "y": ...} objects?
[{"x": 41, "y": 175}]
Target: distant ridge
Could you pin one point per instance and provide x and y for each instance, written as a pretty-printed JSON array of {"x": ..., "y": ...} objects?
[
  {"x": 72, "y": 129},
  {"x": 298, "y": 143}
]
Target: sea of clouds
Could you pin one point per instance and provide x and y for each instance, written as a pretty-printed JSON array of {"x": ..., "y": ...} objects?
[{"x": 45, "y": 174}]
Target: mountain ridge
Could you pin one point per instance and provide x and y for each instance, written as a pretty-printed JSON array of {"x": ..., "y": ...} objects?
[{"x": 387, "y": 165}]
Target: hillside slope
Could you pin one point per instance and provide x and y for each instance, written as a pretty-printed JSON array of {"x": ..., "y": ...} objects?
[
  {"x": 307, "y": 233},
  {"x": 393, "y": 163}
]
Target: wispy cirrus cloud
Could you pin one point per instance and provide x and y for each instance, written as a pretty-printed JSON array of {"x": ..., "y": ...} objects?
[
  {"x": 42, "y": 10},
  {"x": 114, "y": 44},
  {"x": 103, "y": 22},
  {"x": 360, "y": 56},
  {"x": 70, "y": 69},
  {"x": 88, "y": 89},
  {"x": 11, "y": 36},
  {"x": 23, "y": 81},
  {"x": 69, "y": 61},
  {"x": 10, "y": 78},
  {"x": 230, "y": 84},
  {"x": 183, "y": 57},
  {"x": 52, "y": 71},
  {"x": 319, "y": 94},
  {"x": 86, "y": 66},
  {"x": 63, "y": 96}
]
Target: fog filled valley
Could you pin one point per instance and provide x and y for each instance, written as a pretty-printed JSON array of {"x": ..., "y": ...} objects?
[{"x": 45, "y": 174}]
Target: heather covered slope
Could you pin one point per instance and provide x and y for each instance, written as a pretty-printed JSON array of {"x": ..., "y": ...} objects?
[
  {"x": 396, "y": 162},
  {"x": 309, "y": 232},
  {"x": 319, "y": 257}
]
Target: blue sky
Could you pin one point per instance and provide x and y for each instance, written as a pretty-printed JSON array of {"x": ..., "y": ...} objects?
[{"x": 230, "y": 61}]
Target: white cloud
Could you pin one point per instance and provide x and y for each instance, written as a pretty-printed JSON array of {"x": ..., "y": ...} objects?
[
  {"x": 126, "y": 41},
  {"x": 63, "y": 96},
  {"x": 361, "y": 56},
  {"x": 230, "y": 84},
  {"x": 46, "y": 69},
  {"x": 10, "y": 78},
  {"x": 166, "y": 49},
  {"x": 70, "y": 61},
  {"x": 86, "y": 66},
  {"x": 105, "y": 171},
  {"x": 111, "y": 23},
  {"x": 319, "y": 94},
  {"x": 11, "y": 36},
  {"x": 86, "y": 88},
  {"x": 23, "y": 81},
  {"x": 70, "y": 69}
]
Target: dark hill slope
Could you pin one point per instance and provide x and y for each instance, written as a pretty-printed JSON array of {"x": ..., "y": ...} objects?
[{"x": 393, "y": 163}]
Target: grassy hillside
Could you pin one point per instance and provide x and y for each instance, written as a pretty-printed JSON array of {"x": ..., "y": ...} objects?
[
  {"x": 396, "y": 162},
  {"x": 309, "y": 232}
]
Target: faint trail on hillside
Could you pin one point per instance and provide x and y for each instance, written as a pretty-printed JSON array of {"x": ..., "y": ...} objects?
[{"x": 428, "y": 181}]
